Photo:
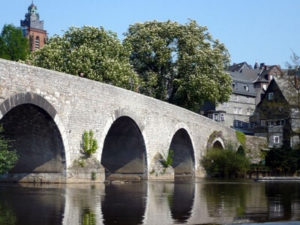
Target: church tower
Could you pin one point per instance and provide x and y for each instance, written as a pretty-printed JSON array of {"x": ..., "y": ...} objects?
[{"x": 33, "y": 28}]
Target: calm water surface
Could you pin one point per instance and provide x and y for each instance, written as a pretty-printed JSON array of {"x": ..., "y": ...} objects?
[{"x": 184, "y": 202}]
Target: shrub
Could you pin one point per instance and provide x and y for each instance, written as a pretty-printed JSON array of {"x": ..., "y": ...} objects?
[
  {"x": 8, "y": 157},
  {"x": 225, "y": 163},
  {"x": 169, "y": 160},
  {"x": 241, "y": 137},
  {"x": 283, "y": 160},
  {"x": 90, "y": 144}
]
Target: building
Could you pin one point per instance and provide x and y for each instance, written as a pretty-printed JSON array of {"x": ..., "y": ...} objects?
[
  {"x": 236, "y": 112},
  {"x": 33, "y": 28},
  {"x": 277, "y": 115},
  {"x": 248, "y": 85}
]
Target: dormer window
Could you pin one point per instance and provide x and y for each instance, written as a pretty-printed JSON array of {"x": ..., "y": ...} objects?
[
  {"x": 270, "y": 96},
  {"x": 246, "y": 88},
  {"x": 233, "y": 85}
]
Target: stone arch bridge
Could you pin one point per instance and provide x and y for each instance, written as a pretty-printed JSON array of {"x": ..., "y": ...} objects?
[{"x": 46, "y": 112}]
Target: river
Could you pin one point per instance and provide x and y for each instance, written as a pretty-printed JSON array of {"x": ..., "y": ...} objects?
[{"x": 183, "y": 202}]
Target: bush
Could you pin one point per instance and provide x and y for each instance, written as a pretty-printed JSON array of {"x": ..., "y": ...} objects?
[
  {"x": 225, "y": 163},
  {"x": 283, "y": 160},
  {"x": 8, "y": 157},
  {"x": 169, "y": 160},
  {"x": 90, "y": 144},
  {"x": 241, "y": 137}
]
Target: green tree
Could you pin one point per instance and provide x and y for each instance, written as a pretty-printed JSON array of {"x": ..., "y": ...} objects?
[
  {"x": 13, "y": 45},
  {"x": 225, "y": 163},
  {"x": 90, "y": 144},
  {"x": 181, "y": 64},
  {"x": 90, "y": 52},
  {"x": 8, "y": 157}
]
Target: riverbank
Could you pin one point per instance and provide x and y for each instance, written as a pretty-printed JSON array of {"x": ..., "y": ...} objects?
[{"x": 271, "y": 179}]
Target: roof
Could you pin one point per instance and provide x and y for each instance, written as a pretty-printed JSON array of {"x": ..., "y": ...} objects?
[
  {"x": 242, "y": 72},
  {"x": 266, "y": 71},
  {"x": 287, "y": 86},
  {"x": 244, "y": 88}
]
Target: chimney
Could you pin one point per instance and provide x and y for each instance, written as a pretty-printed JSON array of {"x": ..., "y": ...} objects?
[
  {"x": 255, "y": 65},
  {"x": 262, "y": 65}
]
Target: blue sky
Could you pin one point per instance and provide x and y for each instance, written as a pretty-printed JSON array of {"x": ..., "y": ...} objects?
[{"x": 252, "y": 30}]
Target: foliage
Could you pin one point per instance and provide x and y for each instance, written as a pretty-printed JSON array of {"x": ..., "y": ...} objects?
[
  {"x": 169, "y": 159},
  {"x": 13, "y": 45},
  {"x": 241, "y": 137},
  {"x": 7, "y": 215},
  {"x": 93, "y": 175},
  {"x": 8, "y": 157},
  {"x": 181, "y": 64},
  {"x": 90, "y": 144},
  {"x": 89, "y": 52},
  {"x": 88, "y": 217},
  {"x": 225, "y": 163},
  {"x": 283, "y": 160},
  {"x": 241, "y": 151}
]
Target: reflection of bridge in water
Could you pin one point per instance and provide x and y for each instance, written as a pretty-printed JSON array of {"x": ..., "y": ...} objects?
[{"x": 151, "y": 203}]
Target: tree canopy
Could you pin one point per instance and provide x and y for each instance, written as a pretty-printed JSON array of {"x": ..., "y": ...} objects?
[
  {"x": 90, "y": 52},
  {"x": 13, "y": 45},
  {"x": 181, "y": 64}
]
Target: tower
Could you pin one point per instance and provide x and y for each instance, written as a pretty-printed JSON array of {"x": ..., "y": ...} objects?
[{"x": 33, "y": 28}]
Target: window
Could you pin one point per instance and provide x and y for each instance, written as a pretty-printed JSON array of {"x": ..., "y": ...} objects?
[
  {"x": 270, "y": 96},
  {"x": 276, "y": 140},
  {"x": 233, "y": 86},
  {"x": 240, "y": 124},
  {"x": 216, "y": 116},
  {"x": 222, "y": 117},
  {"x": 246, "y": 88},
  {"x": 249, "y": 111},
  {"x": 236, "y": 123},
  {"x": 263, "y": 123},
  {"x": 240, "y": 110},
  {"x": 264, "y": 86},
  {"x": 37, "y": 42},
  {"x": 235, "y": 110}
]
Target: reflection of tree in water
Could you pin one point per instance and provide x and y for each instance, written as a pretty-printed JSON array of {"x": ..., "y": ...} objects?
[
  {"x": 181, "y": 202},
  {"x": 32, "y": 205},
  {"x": 226, "y": 199},
  {"x": 7, "y": 215},
  {"x": 283, "y": 200},
  {"x": 124, "y": 204},
  {"x": 88, "y": 217}
]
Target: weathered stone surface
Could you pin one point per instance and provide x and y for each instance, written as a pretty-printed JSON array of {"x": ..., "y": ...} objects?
[{"x": 76, "y": 104}]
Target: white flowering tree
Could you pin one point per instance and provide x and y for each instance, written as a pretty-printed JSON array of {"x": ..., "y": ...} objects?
[
  {"x": 89, "y": 52},
  {"x": 179, "y": 63}
]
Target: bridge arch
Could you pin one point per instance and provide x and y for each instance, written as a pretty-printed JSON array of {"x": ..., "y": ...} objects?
[
  {"x": 184, "y": 155},
  {"x": 218, "y": 143},
  {"x": 39, "y": 137},
  {"x": 124, "y": 154}
]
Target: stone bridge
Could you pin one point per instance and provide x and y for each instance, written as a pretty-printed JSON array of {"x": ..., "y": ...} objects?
[{"x": 46, "y": 113}]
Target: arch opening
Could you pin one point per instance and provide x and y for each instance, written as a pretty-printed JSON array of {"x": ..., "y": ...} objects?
[
  {"x": 36, "y": 138},
  {"x": 217, "y": 145},
  {"x": 183, "y": 154},
  {"x": 124, "y": 151}
]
